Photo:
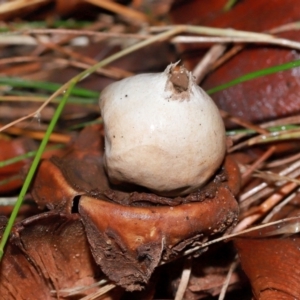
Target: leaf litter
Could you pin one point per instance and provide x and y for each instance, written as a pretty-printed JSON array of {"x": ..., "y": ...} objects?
[{"x": 31, "y": 245}]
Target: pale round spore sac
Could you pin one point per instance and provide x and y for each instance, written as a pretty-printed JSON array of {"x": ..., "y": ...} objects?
[{"x": 162, "y": 132}]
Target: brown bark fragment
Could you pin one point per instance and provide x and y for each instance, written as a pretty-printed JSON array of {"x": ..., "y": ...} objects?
[
  {"x": 129, "y": 242},
  {"x": 47, "y": 253}
]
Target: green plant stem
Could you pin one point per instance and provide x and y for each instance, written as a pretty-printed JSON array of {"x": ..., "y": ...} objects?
[
  {"x": 43, "y": 85},
  {"x": 9, "y": 179},
  {"x": 68, "y": 88},
  {"x": 254, "y": 75},
  {"x": 17, "y": 96},
  {"x": 229, "y": 5},
  {"x": 271, "y": 129},
  {"x": 29, "y": 154},
  {"x": 32, "y": 170},
  {"x": 82, "y": 125},
  {"x": 70, "y": 23}
]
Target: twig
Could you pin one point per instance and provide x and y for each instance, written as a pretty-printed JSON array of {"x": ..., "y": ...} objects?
[
  {"x": 233, "y": 266},
  {"x": 81, "y": 32},
  {"x": 54, "y": 137},
  {"x": 262, "y": 190},
  {"x": 84, "y": 59},
  {"x": 17, "y": 4},
  {"x": 185, "y": 278},
  {"x": 206, "y": 62},
  {"x": 223, "y": 35},
  {"x": 266, "y": 206},
  {"x": 282, "y": 121},
  {"x": 286, "y": 226},
  {"x": 267, "y": 138},
  {"x": 243, "y": 122},
  {"x": 73, "y": 291},
  {"x": 237, "y": 48},
  {"x": 278, "y": 207},
  {"x": 272, "y": 41},
  {"x": 8, "y": 201},
  {"x": 64, "y": 39},
  {"x": 105, "y": 289},
  {"x": 17, "y": 40},
  {"x": 230, "y": 53},
  {"x": 270, "y": 176},
  {"x": 62, "y": 62},
  {"x": 222, "y": 32},
  {"x": 121, "y": 10},
  {"x": 283, "y": 161},
  {"x": 257, "y": 163}
]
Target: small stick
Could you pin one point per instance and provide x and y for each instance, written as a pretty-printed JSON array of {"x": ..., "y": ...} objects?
[
  {"x": 278, "y": 207},
  {"x": 103, "y": 290},
  {"x": 17, "y": 4},
  {"x": 263, "y": 190},
  {"x": 283, "y": 161},
  {"x": 257, "y": 163},
  {"x": 185, "y": 278},
  {"x": 233, "y": 266},
  {"x": 237, "y": 48},
  {"x": 243, "y": 122},
  {"x": 121, "y": 10},
  {"x": 286, "y": 227},
  {"x": 84, "y": 59},
  {"x": 206, "y": 62},
  {"x": 266, "y": 206},
  {"x": 200, "y": 39}
]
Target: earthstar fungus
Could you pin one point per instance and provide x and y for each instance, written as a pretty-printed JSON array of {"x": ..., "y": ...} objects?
[
  {"x": 132, "y": 229},
  {"x": 139, "y": 234},
  {"x": 167, "y": 123}
]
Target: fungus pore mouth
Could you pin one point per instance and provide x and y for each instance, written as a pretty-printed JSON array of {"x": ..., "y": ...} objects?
[{"x": 180, "y": 80}]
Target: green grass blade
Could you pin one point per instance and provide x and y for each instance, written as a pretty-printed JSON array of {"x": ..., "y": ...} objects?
[
  {"x": 250, "y": 131},
  {"x": 37, "y": 97},
  {"x": 65, "y": 24},
  {"x": 47, "y": 86},
  {"x": 256, "y": 74},
  {"x": 84, "y": 124},
  {"x": 229, "y": 5},
  {"x": 32, "y": 170},
  {"x": 9, "y": 179},
  {"x": 27, "y": 155}
]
